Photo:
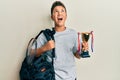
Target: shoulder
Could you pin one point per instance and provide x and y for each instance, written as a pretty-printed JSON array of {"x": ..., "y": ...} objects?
[{"x": 73, "y": 31}]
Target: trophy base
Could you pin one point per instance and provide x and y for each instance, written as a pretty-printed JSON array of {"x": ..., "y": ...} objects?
[{"x": 85, "y": 54}]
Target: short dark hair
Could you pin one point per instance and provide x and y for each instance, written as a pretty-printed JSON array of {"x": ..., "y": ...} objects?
[{"x": 57, "y": 3}]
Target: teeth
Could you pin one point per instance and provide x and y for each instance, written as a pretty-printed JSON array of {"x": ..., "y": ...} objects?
[{"x": 59, "y": 18}]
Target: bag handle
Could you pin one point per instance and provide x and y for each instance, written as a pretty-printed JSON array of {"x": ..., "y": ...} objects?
[
  {"x": 49, "y": 35},
  {"x": 30, "y": 43}
]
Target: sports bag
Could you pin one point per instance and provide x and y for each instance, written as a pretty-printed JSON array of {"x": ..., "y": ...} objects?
[{"x": 38, "y": 68}]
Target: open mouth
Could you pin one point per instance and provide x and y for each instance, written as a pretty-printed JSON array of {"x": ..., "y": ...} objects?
[{"x": 60, "y": 19}]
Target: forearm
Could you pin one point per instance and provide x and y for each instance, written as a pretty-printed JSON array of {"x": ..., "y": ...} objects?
[
  {"x": 39, "y": 51},
  {"x": 48, "y": 46}
]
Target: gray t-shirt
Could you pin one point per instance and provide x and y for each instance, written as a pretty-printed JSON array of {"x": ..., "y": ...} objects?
[{"x": 65, "y": 46}]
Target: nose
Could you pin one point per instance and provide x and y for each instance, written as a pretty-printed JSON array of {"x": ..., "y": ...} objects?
[{"x": 60, "y": 12}]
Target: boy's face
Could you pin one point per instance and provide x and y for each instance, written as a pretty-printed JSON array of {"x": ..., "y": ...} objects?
[{"x": 59, "y": 16}]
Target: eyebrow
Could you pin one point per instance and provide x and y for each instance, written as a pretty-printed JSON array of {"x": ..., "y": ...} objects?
[{"x": 59, "y": 9}]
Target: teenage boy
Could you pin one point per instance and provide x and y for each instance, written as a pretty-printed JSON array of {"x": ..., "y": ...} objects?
[{"x": 66, "y": 43}]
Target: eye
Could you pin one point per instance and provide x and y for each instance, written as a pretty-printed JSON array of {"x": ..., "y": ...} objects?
[
  {"x": 62, "y": 10},
  {"x": 56, "y": 11}
]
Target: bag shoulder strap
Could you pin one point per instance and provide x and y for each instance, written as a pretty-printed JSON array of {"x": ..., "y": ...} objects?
[{"x": 50, "y": 35}]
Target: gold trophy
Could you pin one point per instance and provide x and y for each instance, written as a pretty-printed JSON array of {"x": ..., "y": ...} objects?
[{"x": 85, "y": 37}]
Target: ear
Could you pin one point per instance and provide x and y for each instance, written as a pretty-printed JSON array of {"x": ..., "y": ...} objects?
[{"x": 51, "y": 17}]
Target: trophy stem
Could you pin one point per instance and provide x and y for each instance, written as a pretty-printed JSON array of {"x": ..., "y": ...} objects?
[
  {"x": 83, "y": 52},
  {"x": 85, "y": 38}
]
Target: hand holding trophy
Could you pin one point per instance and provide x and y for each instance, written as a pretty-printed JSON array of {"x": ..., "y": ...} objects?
[{"x": 84, "y": 51}]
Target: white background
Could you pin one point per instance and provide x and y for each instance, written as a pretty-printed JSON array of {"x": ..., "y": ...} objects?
[{"x": 22, "y": 19}]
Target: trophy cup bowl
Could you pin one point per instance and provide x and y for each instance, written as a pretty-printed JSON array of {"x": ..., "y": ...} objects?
[{"x": 85, "y": 38}]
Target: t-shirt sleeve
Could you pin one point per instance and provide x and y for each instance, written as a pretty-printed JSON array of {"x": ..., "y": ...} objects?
[
  {"x": 75, "y": 47},
  {"x": 41, "y": 40}
]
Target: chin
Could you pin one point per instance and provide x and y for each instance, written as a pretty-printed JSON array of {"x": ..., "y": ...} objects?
[{"x": 61, "y": 25}]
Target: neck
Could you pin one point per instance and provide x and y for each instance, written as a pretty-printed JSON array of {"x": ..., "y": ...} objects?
[{"x": 60, "y": 29}]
